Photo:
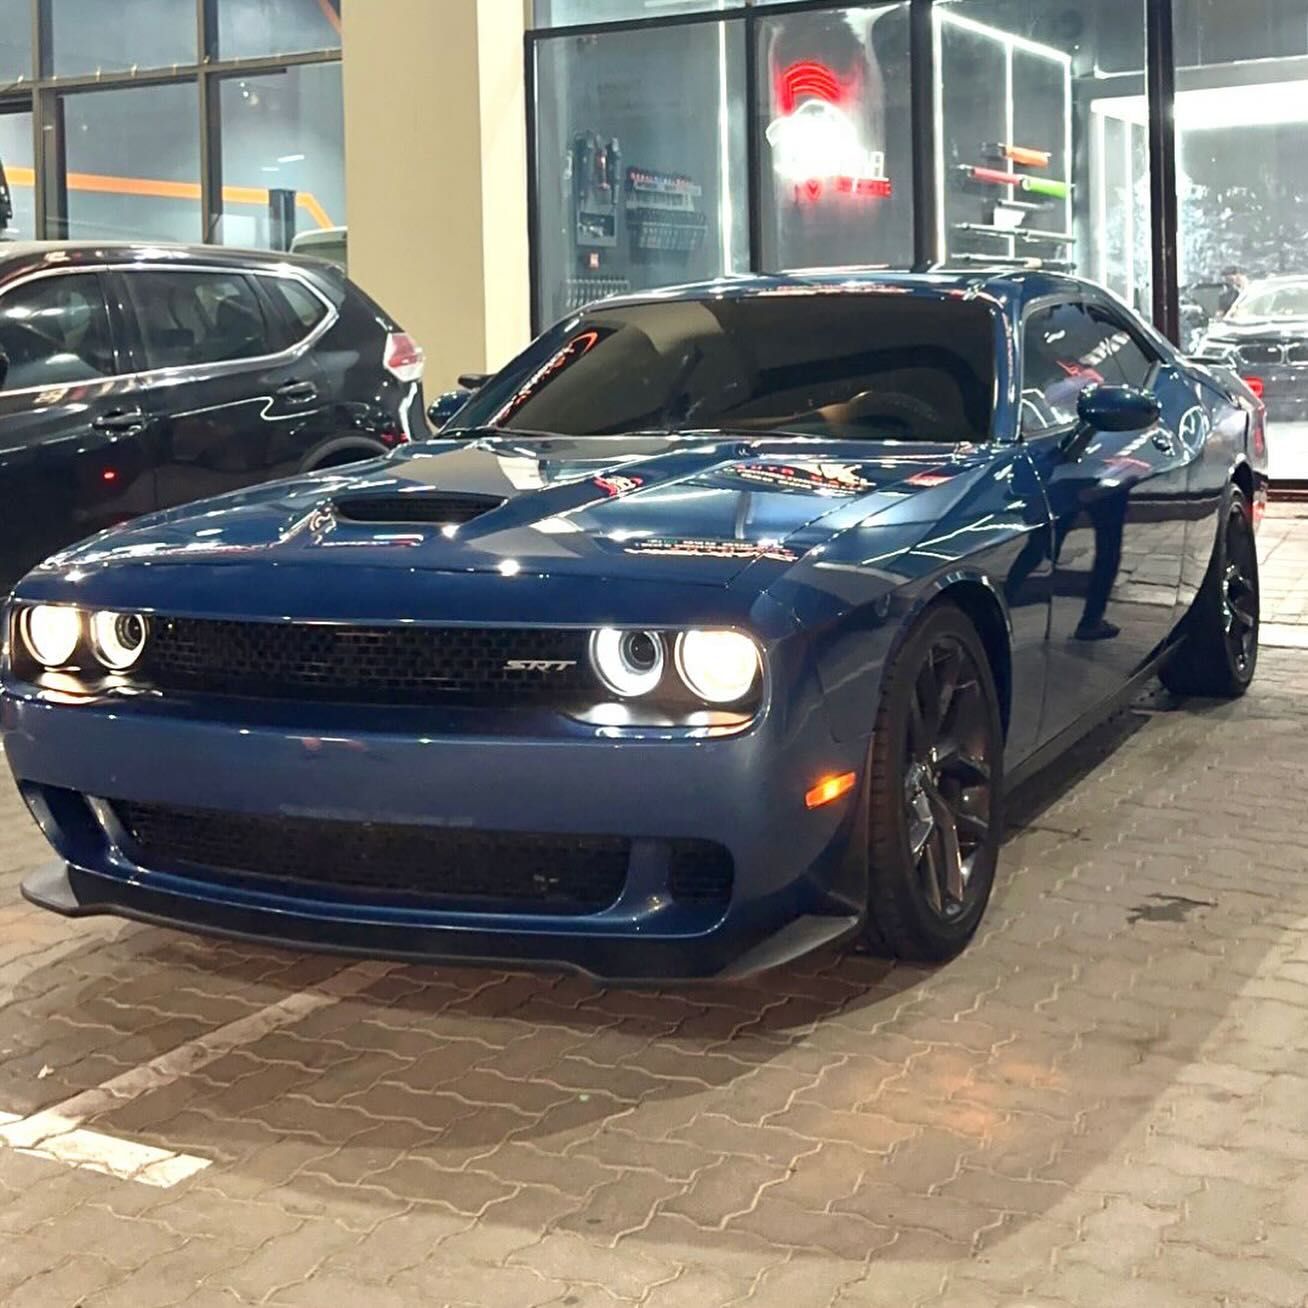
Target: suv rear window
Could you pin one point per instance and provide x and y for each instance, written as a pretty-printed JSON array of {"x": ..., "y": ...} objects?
[{"x": 300, "y": 308}]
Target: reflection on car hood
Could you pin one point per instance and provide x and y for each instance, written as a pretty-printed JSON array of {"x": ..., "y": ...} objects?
[
  {"x": 663, "y": 507},
  {"x": 1232, "y": 331}
]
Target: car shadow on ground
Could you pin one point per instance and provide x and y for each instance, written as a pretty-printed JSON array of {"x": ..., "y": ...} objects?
[{"x": 839, "y": 1106}]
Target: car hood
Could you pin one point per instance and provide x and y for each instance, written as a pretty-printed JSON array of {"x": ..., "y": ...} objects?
[
  {"x": 684, "y": 507},
  {"x": 1230, "y": 331}
]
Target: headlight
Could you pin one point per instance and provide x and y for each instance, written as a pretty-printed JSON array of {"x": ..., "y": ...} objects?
[
  {"x": 52, "y": 633},
  {"x": 118, "y": 639},
  {"x": 718, "y": 666},
  {"x": 629, "y": 663}
]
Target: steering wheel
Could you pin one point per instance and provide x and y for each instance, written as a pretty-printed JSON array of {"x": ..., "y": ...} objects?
[{"x": 905, "y": 414}]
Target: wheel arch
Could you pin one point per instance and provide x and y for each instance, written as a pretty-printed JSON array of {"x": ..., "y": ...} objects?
[
  {"x": 331, "y": 453},
  {"x": 986, "y": 611},
  {"x": 1243, "y": 477}
]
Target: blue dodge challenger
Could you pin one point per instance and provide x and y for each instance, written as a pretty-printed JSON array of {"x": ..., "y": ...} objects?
[{"x": 713, "y": 630}]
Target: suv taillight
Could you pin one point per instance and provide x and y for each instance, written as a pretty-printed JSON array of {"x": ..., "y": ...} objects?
[{"x": 404, "y": 357}]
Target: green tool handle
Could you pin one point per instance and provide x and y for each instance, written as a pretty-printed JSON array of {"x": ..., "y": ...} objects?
[{"x": 1047, "y": 186}]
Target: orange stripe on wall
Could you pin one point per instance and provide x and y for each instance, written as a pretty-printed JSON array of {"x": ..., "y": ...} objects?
[
  {"x": 100, "y": 184},
  {"x": 330, "y": 14}
]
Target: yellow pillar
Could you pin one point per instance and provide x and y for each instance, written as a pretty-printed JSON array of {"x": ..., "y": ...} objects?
[{"x": 436, "y": 174}]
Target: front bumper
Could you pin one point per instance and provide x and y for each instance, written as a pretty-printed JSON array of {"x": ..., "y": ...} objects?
[{"x": 799, "y": 876}]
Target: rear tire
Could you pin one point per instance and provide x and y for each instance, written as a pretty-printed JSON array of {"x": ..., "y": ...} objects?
[
  {"x": 1219, "y": 652},
  {"x": 935, "y": 792}
]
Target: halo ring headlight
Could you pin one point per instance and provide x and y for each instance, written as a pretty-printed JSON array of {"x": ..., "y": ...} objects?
[
  {"x": 629, "y": 663},
  {"x": 118, "y": 639},
  {"x": 51, "y": 633},
  {"x": 719, "y": 667}
]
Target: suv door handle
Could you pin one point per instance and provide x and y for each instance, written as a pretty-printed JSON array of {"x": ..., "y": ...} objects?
[
  {"x": 122, "y": 421},
  {"x": 298, "y": 392}
]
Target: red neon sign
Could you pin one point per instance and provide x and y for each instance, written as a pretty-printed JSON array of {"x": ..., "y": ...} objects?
[{"x": 808, "y": 79}]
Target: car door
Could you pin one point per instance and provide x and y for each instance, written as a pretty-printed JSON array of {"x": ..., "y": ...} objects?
[
  {"x": 231, "y": 400},
  {"x": 1117, "y": 505},
  {"x": 73, "y": 455}
]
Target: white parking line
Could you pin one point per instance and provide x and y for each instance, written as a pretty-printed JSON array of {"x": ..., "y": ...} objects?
[{"x": 57, "y": 1132}]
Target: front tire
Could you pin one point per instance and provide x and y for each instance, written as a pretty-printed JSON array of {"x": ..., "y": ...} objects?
[
  {"x": 1219, "y": 653},
  {"x": 935, "y": 792}
]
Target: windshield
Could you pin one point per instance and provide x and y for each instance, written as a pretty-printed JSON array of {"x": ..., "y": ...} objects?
[
  {"x": 882, "y": 364},
  {"x": 1284, "y": 301}
]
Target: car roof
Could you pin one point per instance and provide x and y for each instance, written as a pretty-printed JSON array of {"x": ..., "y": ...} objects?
[
  {"x": 1018, "y": 285},
  {"x": 34, "y": 255}
]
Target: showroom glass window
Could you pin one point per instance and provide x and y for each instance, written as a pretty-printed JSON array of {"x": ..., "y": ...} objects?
[
  {"x": 110, "y": 36},
  {"x": 254, "y": 28},
  {"x": 640, "y": 155},
  {"x": 15, "y": 42},
  {"x": 1242, "y": 200},
  {"x": 571, "y": 13},
  {"x": 283, "y": 133},
  {"x": 133, "y": 163},
  {"x": 16, "y": 155},
  {"x": 1043, "y": 152},
  {"x": 836, "y": 138}
]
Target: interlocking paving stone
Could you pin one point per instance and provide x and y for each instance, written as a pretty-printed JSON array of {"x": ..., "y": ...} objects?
[{"x": 1103, "y": 1102}]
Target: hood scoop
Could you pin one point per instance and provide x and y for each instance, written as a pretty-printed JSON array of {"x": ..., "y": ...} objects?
[{"x": 435, "y": 509}]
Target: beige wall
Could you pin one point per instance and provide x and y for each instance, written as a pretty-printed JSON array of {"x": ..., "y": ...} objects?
[{"x": 436, "y": 174}]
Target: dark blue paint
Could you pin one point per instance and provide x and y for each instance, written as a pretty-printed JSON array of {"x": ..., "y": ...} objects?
[{"x": 828, "y": 582}]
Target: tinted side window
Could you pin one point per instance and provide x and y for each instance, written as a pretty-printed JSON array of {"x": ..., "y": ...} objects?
[
  {"x": 201, "y": 317},
  {"x": 1133, "y": 360},
  {"x": 297, "y": 304},
  {"x": 55, "y": 330},
  {"x": 1066, "y": 348}
]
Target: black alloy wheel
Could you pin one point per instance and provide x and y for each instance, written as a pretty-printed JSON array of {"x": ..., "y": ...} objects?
[
  {"x": 1240, "y": 609},
  {"x": 1219, "y": 652},
  {"x": 935, "y": 792}
]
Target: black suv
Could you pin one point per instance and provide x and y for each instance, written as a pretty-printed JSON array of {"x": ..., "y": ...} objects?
[{"x": 139, "y": 377}]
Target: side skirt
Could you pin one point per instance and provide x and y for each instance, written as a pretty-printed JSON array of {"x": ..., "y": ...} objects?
[{"x": 1085, "y": 724}]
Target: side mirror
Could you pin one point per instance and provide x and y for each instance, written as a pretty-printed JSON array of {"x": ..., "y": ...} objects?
[
  {"x": 1110, "y": 408},
  {"x": 445, "y": 406}
]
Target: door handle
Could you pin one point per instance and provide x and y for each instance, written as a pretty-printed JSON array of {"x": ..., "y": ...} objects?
[
  {"x": 298, "y": 392},
  {"x": 1163, "y": 442},
  {"x": 122, "y": 421}
]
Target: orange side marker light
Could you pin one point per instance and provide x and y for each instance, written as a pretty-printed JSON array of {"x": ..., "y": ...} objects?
[{"x": 830, "y": 788}]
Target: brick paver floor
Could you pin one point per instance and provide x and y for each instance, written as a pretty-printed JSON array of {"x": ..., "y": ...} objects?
[{"x": 1103, "y": 1102}]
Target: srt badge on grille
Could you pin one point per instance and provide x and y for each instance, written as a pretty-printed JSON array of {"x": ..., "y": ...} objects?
[{"x": 539, "y": 665}]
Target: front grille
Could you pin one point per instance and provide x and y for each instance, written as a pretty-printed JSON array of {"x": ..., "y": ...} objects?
[
  {"x": 370, "y": 665},
  {"x": 437, "y": 865},
  {"x": 1261, "y": 354},
  {"x": 415, "y": 507},
  {"x": 1297, "y": 353},
  {"x": 701, "y": 872}
]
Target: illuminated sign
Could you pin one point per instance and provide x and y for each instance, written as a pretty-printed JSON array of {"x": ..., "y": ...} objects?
[{"x": 817, "y": 146}]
